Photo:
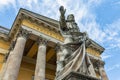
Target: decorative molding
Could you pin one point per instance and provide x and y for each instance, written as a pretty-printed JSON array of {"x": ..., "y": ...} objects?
[
  {"x": 96, "y": 46},
  {"x": 42, "y": 29},
  {"x": 93, "y": 52},
  {"x": 42, "y": 41},
  {"x": 40, "y": 34},
  {"x": 23, "y": 33}
]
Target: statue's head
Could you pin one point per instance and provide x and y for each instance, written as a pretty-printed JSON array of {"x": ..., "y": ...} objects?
[{"x": 70, "y": 17}]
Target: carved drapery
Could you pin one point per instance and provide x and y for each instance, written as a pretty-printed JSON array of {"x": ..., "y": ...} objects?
[{"x": 74, "y": 63}]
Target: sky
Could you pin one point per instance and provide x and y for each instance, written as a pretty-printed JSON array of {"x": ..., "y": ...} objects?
[{"x": 99, "y": 18}]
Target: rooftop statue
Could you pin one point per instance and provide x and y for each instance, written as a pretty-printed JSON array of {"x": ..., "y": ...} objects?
[{"x": 71, "y": 55}]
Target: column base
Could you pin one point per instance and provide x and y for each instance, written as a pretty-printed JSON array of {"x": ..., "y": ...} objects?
[{"x": 78, "y": 76}]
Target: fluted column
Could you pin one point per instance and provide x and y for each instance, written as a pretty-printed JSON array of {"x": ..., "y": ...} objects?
[
  {"x": 15, "y": 57},
  {"x": 41, "y": 60},
  {"x": 102, "y": 71}
]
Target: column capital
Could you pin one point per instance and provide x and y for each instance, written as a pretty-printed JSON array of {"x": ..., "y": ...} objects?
[
  {"x": 42, "y": 41},
  {"x": 23, "y": 33},
  {"x": 12, "y": 45},
  {"x": 100, "y": 63},
  {"x": 57, "y": 47}
]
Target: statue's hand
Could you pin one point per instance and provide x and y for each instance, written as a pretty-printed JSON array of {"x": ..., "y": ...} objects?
[{"x": 62, "y": 10}]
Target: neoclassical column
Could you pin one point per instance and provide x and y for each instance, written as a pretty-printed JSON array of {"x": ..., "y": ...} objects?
[
  {"x": 41, "y": 60},
  {"x": 15, "y": 57},
  {"x": 6, "y": 59},
  {"x": 102, "y": 71}
]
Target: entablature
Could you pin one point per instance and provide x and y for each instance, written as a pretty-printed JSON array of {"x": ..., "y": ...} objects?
[{"x": 27, "y": 18}]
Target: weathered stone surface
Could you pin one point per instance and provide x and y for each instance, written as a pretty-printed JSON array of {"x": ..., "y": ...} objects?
[{"x": 78, "y": 76}]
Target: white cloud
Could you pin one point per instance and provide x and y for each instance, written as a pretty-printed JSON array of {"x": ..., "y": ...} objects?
[
  {"x": 112, "y": 32},
  {"x": 30, "y": 4},
  {"x": 50, "y": 8},
  {"x": 6, "y": 3},
  {"x": 117, "y": 66},
  {"x": 106, "y": 56}
]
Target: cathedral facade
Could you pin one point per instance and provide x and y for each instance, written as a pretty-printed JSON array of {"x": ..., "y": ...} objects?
[{"x": 39, "y": 48}]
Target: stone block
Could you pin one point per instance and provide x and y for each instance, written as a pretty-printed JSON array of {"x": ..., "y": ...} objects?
[{"x": 78, "y": 76}]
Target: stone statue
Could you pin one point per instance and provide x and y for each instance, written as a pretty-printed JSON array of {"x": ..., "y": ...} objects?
[
  {"x": 71, "y": 24},
  {"x": 68, "y": 28},
  {"x": 72, "y": 55}
]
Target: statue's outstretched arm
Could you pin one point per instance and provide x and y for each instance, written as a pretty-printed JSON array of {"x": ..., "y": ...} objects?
[{"x": 62, "y": 18}]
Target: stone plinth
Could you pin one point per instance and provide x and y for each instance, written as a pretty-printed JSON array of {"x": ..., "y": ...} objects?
[{"x": 78, "y": 76}]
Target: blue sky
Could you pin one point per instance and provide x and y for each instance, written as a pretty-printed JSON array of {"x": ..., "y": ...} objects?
[{"x": 100, "y": 18}]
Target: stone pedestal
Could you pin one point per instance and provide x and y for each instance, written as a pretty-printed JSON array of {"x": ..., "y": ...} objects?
[
  {"x": 41, "y": 62},
  {"x": 78, "y": 76}
]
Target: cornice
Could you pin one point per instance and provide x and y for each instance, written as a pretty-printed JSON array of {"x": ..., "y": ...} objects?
[
  {"x": 41, "y": 17},
  {"x": 39, "y": 22},
  {"x": 96, "y": 46},
  {"x": 15, "y": 25}
]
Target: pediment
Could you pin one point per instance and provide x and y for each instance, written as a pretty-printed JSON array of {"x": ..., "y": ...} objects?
[{"x": 24, "y": 14}]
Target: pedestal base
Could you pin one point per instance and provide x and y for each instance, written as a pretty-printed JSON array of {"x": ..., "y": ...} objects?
[{"x": 78, "y": 76}]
